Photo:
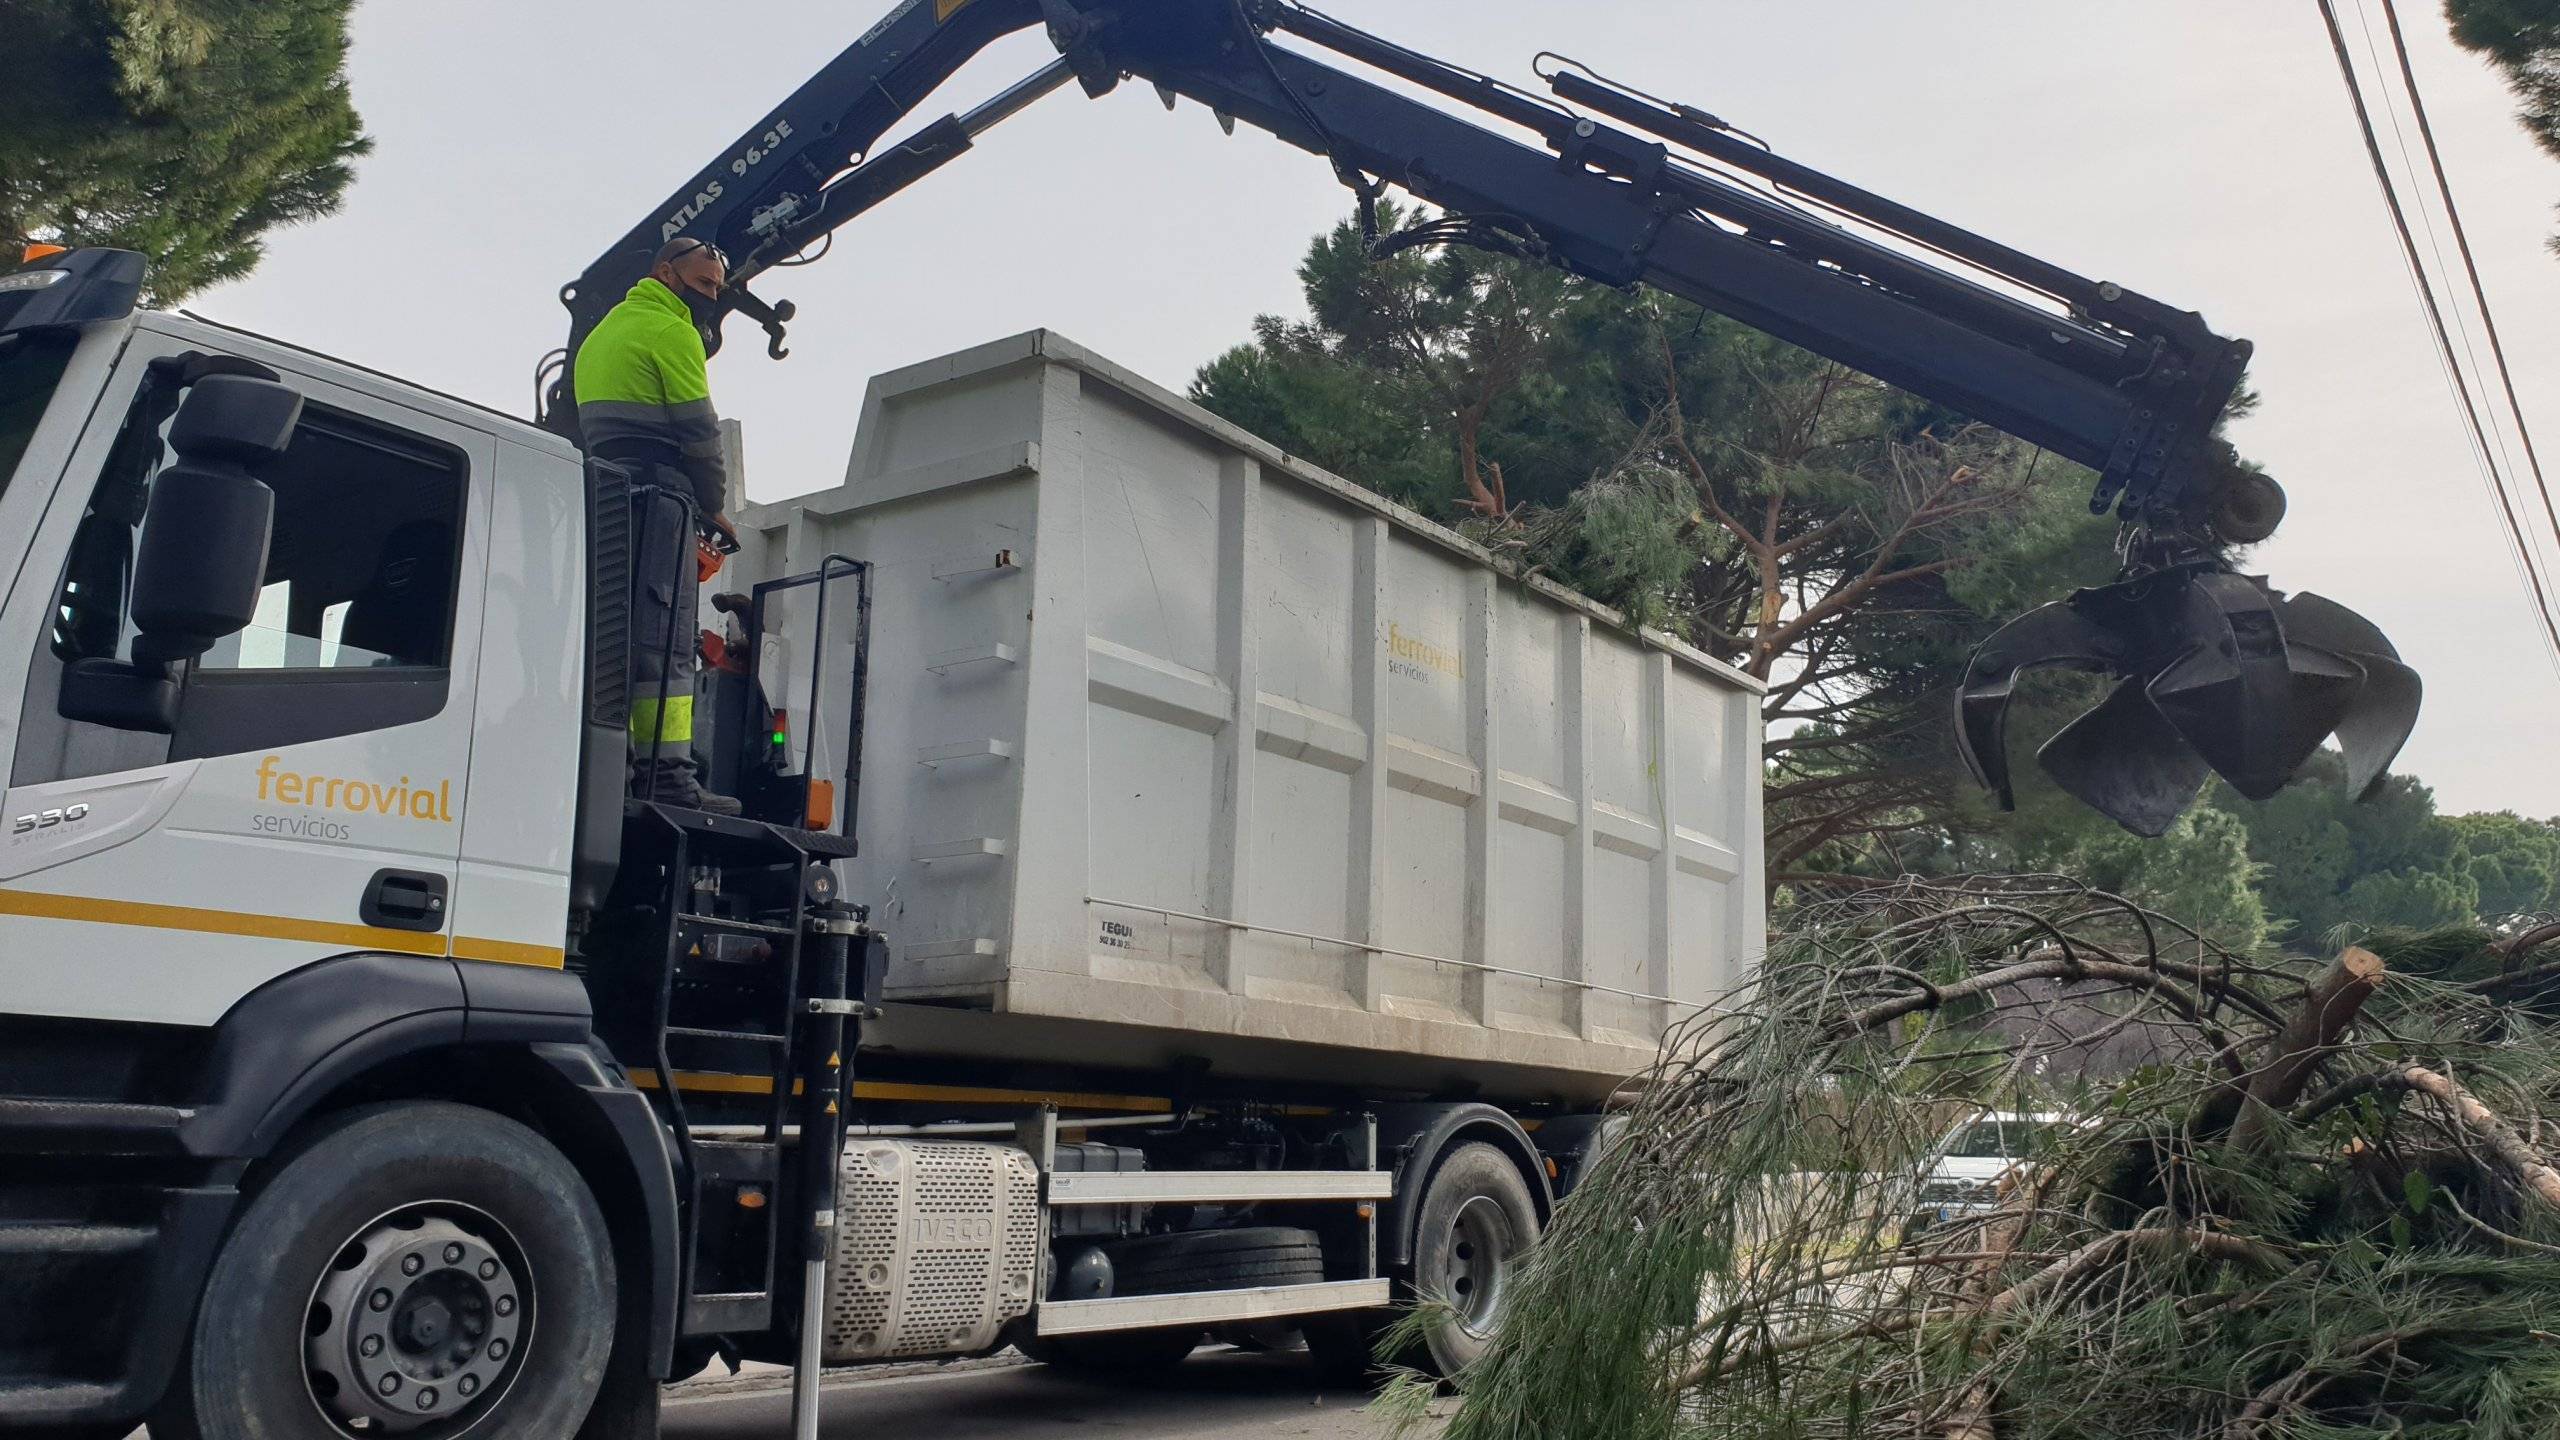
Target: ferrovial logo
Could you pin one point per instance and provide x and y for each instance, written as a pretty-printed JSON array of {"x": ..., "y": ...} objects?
[
  {"x": 354, "y": 796},
  {"x": 1417, "y": 659}
]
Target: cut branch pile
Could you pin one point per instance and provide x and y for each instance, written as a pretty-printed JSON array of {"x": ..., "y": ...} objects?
[{"x": 2318, "y": 1199}]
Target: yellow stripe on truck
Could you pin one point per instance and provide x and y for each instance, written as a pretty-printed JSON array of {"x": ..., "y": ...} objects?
[
  {"x": 718, "y": 1084},
  {"x": 93, "y": 910},
  {"x": 507, "y": 952}
]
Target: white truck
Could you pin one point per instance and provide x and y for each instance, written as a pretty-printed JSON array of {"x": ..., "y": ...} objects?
[
  {"x": 1177, "y": 889},
  {"x": 1263, "y": 897}
]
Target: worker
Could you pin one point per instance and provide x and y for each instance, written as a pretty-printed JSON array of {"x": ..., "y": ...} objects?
[{"x": 644, "y": 402}]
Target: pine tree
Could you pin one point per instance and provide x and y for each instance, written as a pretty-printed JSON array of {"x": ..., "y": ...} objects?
[
  {"x": 185, "y": 129},
  {"x": 2521, "y": 38},
  {"x": 1841, "y": 540}
]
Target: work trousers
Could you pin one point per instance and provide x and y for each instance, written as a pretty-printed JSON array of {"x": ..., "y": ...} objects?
[{"x": 665, "y": 621}]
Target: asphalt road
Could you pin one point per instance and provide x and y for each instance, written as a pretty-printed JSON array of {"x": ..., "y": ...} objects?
[
  {"x": 1230, "y": 1395},
  {"x": 1215, "y": 1394}
]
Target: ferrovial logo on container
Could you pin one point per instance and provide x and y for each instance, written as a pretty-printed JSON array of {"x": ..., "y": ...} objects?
[{"x": 1417, "y": 659}]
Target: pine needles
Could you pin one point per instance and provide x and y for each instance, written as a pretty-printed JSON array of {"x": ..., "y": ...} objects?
[{"x": 2295, "y": 1200}]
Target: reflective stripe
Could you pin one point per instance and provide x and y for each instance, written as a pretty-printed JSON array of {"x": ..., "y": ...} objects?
[
  {"x": 643, "y": 417},
  {"x": 88, "y": 909},
  {"x": 900, "y": 1090},
  {"x": 507, "y": 952},
  {"x": 679, "y": 721}
]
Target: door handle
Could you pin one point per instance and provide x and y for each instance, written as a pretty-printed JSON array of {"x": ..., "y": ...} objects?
[{"x": 404, "y": 900}]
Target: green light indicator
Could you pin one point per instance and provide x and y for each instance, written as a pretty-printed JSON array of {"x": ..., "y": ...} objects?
[{"x": 781, "y": 737}]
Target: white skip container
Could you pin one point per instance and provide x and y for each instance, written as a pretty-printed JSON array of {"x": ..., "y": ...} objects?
[{"x": 1177, "y": 746}]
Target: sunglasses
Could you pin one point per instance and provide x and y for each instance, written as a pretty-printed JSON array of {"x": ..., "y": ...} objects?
[{"x": 694, "y": 247}]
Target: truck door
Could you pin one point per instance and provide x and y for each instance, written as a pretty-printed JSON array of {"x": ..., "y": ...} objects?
[{"x": 310, "y": 800}]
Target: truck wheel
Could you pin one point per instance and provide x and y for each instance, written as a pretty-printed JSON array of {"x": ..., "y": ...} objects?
[
  {"x": 1217, "y": 1260},
  {"x": 420, "y": 1270},
  {"x": 1476, "y": 1227}
]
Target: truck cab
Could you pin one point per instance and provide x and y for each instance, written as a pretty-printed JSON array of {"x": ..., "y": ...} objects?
[
  {"x": 420, "y": 588},
  {"x": 250, "y": 884}
]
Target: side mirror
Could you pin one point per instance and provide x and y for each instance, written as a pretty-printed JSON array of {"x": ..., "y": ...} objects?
[
  {"x": 121, "y": 696},
  {"x": 203, "y": 556}
]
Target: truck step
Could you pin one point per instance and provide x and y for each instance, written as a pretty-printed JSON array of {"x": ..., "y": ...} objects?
[
  {"x": 1208, "y": 1307},
  {"x": 91, "y": 1126},
  {"x": 39, "y": 1238},
  {"x": 742, "y": 1037},
  {"x": 737, "y": 1160},
  {"x": 1211, "y": 1187},
  {"x": 732, "y": 1314},
  {"x": 44, "y": 1397},
  {"x": 740, "y": 836},
  {"x": 826, "y": 844},
  {"x": 728, "y": 926}
]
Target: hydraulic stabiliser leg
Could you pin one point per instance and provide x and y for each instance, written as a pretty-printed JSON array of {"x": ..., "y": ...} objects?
[{"x": 834, "y": 1028}]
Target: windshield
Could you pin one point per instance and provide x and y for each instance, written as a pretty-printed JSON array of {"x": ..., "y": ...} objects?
[
  {"x": 2002, "y": 1139},
  {"x": 30, "y": 366}
]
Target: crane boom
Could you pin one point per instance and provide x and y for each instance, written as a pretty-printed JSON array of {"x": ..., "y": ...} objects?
[
  {"x": 1625, "y": 189},
  {"x": 2123, "y": 384}
]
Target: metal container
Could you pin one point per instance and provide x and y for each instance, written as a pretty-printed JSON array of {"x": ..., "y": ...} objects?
[{"x": 1179, "y": 747}]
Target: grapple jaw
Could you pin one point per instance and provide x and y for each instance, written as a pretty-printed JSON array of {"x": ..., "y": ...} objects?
[{"x": 2218, "y": 675}]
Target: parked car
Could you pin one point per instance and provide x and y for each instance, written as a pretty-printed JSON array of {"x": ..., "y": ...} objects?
[{"x": 1964, "y": 1178}]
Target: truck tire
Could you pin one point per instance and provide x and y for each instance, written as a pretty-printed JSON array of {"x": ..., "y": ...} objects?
[
  {"x": 1217, "y": 1260},
  {"x": 430, "y": 1269},
  {"x": 1172, "y": 1264},
  {"x": 1476, "y": 1226}
]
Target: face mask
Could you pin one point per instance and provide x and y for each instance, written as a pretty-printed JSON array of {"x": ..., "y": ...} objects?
[{"x": 705, "y": 309}]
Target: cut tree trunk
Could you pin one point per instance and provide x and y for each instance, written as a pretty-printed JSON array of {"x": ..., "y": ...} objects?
[
  {"x": 2501, "y": 1138},
  {"x": 2328, "y": 1008}
]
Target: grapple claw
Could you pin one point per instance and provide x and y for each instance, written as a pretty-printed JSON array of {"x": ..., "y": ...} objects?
[
  {"x": 2386, "y": 710},
  {"x": 2221, "y": 676},
  {"x": 2254, "y": 707},
  {"x": 2123, "y": 761},
  {"x": 2064, "y": 635}
]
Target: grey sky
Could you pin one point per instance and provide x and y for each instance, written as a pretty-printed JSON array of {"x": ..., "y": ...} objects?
[{"x": 2199, "y": 150}]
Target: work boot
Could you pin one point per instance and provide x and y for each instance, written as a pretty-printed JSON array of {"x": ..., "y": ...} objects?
[{"x": 676, "y": 782}]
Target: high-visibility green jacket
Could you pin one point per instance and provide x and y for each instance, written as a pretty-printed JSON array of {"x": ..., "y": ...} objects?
[{"x": 643, "y": 375}]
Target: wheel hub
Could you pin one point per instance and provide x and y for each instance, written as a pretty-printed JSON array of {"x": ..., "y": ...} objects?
[
  {"x": 1476, "y": 1263},
  {"x": 418, "y": 1320}
]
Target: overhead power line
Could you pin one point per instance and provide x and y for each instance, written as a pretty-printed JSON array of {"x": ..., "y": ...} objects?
[
  {"x": 2484, "y": 440},
  {"x": 2435, "y": 246},
  {"x": 2470, "y": 267},
  {"x": 2488, "y": 438}
]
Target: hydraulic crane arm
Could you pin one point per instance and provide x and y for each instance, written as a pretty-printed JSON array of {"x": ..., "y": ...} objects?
[
  {"x": 807, "y": 168},
  {"x": 2127, "y": 386},
  {"x": 1625, "y": 189},
  {"x": 2120, "y": 383}
]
